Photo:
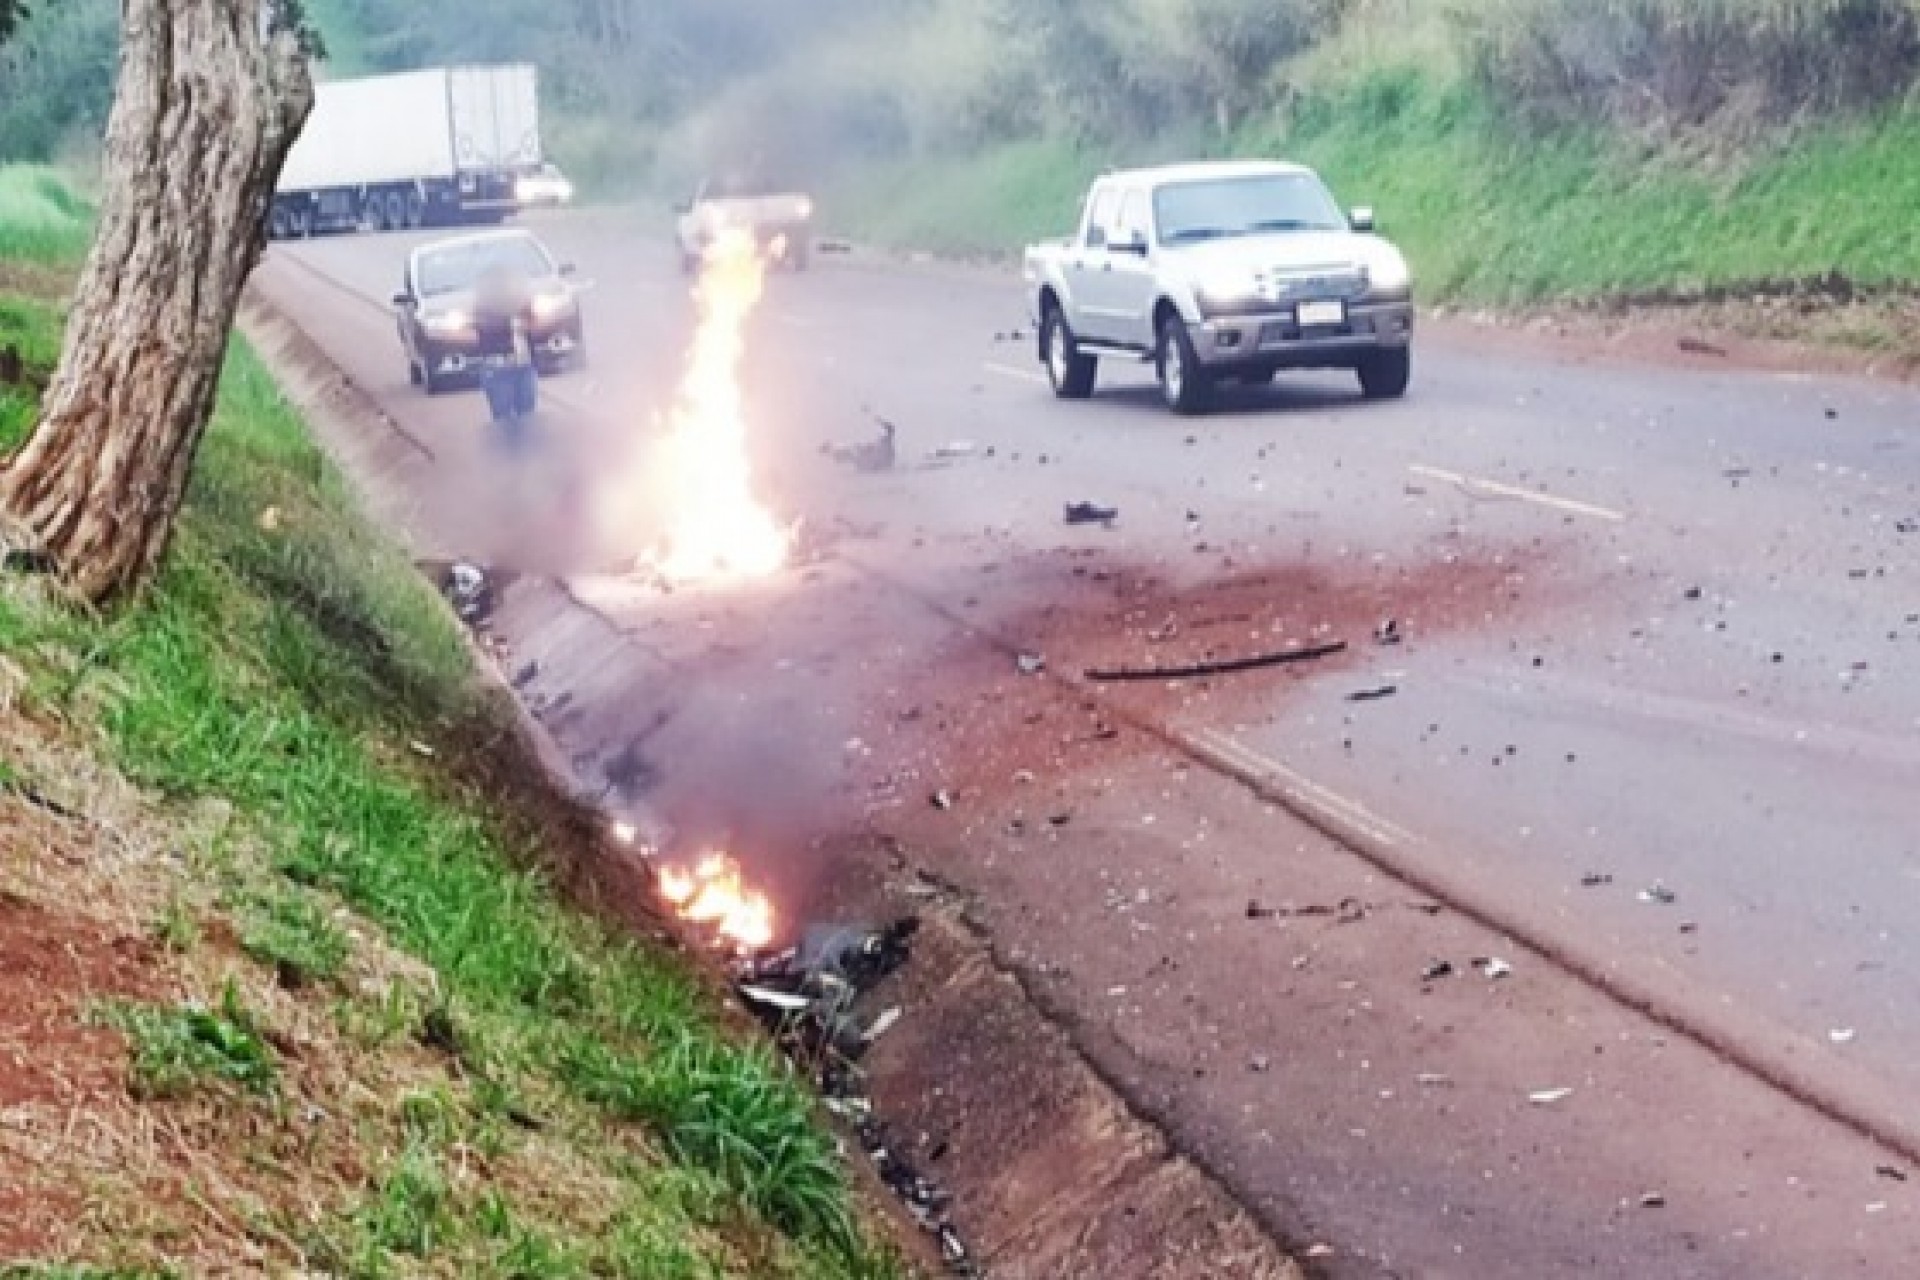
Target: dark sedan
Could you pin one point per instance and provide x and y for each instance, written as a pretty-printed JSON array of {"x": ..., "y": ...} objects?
[{"x": 435, "y": 305}]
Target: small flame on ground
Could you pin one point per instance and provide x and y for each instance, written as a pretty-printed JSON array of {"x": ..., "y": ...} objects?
[
  {"x": 716, "y": 527},
  {"x": 714, "y": 892}
]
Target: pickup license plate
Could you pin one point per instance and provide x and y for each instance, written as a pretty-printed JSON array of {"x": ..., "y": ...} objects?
[{"x": 1314, "y": 315}]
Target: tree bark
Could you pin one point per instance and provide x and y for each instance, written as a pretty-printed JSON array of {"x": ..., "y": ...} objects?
[{"x": 210, "y": 96}]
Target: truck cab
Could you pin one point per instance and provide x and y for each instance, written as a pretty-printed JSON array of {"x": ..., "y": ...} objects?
[{"x": 1220, "y": 271}]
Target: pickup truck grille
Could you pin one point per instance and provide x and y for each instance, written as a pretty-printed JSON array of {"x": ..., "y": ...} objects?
[{"x": 1327, "y": 282}]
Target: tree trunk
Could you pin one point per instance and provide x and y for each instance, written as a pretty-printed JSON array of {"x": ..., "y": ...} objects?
[{"x": 208, "y": 102}]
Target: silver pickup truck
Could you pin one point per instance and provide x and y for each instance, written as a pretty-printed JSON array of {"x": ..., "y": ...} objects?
[{"x": 1221, "y": 271}]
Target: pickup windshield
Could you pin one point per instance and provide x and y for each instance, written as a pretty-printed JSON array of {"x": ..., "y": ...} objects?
[
  {"x": 1212, "y": 208},
  {"x": 458, "y": 267}
]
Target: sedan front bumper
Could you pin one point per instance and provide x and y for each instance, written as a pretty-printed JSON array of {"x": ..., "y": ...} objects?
[{"x": 1278, "y": 339}]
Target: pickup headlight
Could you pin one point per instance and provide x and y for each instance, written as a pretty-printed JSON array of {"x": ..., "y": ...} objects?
[
  {"x": 1226, "y": 291},
  {"x": 1388, "y": 275}
]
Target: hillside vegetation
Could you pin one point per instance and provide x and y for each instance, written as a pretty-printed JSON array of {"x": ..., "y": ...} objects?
[{"x": 1521, "y": 149}]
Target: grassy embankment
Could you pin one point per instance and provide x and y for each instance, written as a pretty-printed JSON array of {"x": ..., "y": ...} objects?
[
  {"x": 1493, "y": 207},
  {"x": 340, "y": 1018}
]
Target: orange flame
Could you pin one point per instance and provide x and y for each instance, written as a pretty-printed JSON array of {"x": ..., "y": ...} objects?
[
  {"x": 716, "y": 526},
  {"x": 713, "y": 892}
]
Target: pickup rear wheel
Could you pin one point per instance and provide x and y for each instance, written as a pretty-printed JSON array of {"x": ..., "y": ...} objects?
[
  {"x": 1185, "y": 386},
  {"x": 1069, "y": 370}
]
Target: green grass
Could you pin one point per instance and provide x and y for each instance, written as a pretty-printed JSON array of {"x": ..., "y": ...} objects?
[
  {"x": 285, "y": 672},
  {"x": 41, "y": 219},
  {"x": 177, "y": 1050}
]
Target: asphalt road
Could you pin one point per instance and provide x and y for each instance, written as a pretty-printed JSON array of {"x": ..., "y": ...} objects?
[{"x": 1651, "y": 736}]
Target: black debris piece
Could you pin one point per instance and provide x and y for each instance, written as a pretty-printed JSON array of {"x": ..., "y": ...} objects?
[
  {"x": 1373, "y": 695},
  {"x": 1389, "y": 632},
  {"x": 1090, "y": 513},
  {"x": 1892, "y": 1172},
  {"x": 1226, "y": 666},
  {"x": 526, "y": 675},
  {"x": 1438, "y": 969},
  {"x": 1909, "y": 525},
  {"x": 1593, "y": 880},
  {"x": 868, "y": 455},
  {"x": 1693, "y": 593}
]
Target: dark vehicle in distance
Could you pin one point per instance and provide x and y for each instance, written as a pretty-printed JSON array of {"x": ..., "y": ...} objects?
[{"x": 434, "y": 309}]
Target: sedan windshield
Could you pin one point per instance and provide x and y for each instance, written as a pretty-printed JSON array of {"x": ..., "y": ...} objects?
[
  {"x": 458, "y": 267},
  {"x": 1186, "y": 212}
]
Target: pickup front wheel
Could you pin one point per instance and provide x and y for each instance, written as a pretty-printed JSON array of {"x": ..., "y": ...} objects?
[
  {"x": 1184, "y": 384},
  {"x": 1070, "y": 371}
]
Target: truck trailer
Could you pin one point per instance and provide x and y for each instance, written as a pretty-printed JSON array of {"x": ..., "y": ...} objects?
[{"x": 435, "y": 147}]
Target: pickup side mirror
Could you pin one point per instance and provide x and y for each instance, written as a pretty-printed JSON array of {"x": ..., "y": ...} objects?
[{"x": 1361, "y": 219}]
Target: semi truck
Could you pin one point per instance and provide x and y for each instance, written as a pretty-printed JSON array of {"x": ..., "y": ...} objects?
[{"x": 435, "y": 147}]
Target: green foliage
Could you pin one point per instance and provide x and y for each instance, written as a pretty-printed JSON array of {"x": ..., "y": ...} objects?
[
  {"x": 56, "y": 77},
  {"x": 177, "y": 1050},
  {"x": 41, "y": 219},
  {"x": 288, "y": 930},
  {"x": 1683, "y": 64}
]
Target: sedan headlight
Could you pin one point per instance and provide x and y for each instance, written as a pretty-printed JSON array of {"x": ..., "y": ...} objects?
[
  {"x": 447, "y": 324},
  {"x": 547, "y": 306}
]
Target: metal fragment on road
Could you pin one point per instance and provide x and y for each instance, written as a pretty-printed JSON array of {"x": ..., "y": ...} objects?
[
  {"x": 1438, "y": 969},
  {"x": 1227, "y": 666},
  {"x": 1653, "y": 1200},
  {"x": 1493, "y": 967},
  {"x": 1547, "y": 1097},
  {"x": 941, "y": 800},
  {"x": 1842, "y": 1035},
  {"x": 1375, "y": 694},
  {"x": 1030, "y": 664},
  {"x": 1389, "y": 632},
  {"x": 1091, "y": 513},
  {"x": 1661, "y": 894}
]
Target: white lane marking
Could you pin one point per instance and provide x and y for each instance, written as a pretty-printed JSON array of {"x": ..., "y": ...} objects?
[
  {"x": 1008, "y": 371},
  {"x": 1471, "y": 483},
  {"x": 1245, "y": 759}
]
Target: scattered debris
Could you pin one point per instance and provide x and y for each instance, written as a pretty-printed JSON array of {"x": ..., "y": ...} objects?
[
  {"x": 1891, "y": 1172},
  {"x": 1493, "y": 967},
  {"x": 1693, "y": 593},
  {"x": 1438, "y": 969},
  {"x": 1547, "y": 1097},
  {"x": 1089, "y": 513},
  {"x": 1388, "y": 632},
  {"x": 526, "y": 675},
  {"x": 941, "y": 800},
  {"x": 1653, "y": 1200},
  {"x": 1320, "y": 1251},
  {"x": 1030, "y": 664},
  {"x": 956, "y": 449},
  {"x": 1011, "y": 335},
  {"x": 1432, "y": 1079},
  {"x": 1593, "y": 880},
  {"x": 1910, "y": 524},
  {"x": 1347, "y": 911},
  {"x": 1375, "y": 694},
  {"x": 1260, "y": 1064},
  {"x": 806, "y": 997},
  {"x": 467, "y": 589},
  {"x": 1226, "y": 666},
  {"x": 1700, "y": 347},
  {"x": 867, "y": 455},
  {"x": 1842, "y": 1035},
  {"x": 1661, "y": 894}
]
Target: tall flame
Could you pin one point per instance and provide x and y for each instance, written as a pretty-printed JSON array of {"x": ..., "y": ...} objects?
[
  {"x": 714, "y": 892},
  {"x": 716, "y": 526}
]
